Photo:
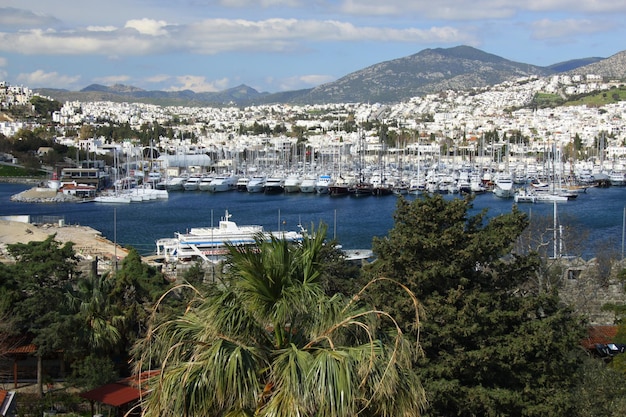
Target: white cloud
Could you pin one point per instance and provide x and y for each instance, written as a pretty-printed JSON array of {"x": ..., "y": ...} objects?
[
  {"x": 475, "y": 9},
  {"x": 148, "y": 26},
  {"x": 143, "y": 37},
  {"x": 551, "y": 29},
  {"x": 198, "y": 84},
  {"x": 159, "y": 78},
  {"x": 3, "y": 62},
  {"x": 40, "y": 78},
  {"x": 101, "y": 28}
]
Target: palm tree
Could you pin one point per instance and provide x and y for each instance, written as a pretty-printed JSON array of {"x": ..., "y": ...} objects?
[
  {"x": 98, "y": 317},
  {"x": 269, "y": 342}
]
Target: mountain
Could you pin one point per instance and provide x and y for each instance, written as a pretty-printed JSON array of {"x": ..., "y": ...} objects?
[
  {"x": 573, "y": 64},
  {"x": 613, "y": 67},
  {"x": 428, "y": 71}
]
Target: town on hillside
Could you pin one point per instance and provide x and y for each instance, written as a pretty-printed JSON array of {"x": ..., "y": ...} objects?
[{"x": 445, "y": 142}]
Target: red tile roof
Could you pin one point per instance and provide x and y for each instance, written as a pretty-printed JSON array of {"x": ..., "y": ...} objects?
[
  {"x": 599, "y": 335},
  {"x": 121, "y": 392},
  {"x": 30, "y": 348}
]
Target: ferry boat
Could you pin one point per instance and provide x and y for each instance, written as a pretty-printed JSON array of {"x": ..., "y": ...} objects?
[{"x": 209, "y": 243}]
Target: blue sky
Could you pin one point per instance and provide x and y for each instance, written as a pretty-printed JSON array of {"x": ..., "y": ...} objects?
[{"x": 280, "y": 45}]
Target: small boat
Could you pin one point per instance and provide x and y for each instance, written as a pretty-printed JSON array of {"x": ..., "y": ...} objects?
[
  {"x": 113, "y": 197},
  {"x": 523, "y": 195}
]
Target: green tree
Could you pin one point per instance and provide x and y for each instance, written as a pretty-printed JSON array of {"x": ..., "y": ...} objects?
[
  {"x": 99, "y": 319},
  {"x": 43, "y": 272},
  {"x": 490, "y": 347},
  {"x": 269, "y": 342},
  {"x": 44, "y": 106},
  {"x": 98, "y": 336},
  {"x": 136, "y": 287}
]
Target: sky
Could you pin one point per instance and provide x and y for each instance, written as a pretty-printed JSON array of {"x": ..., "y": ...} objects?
[{"x": 281, "y": 45}]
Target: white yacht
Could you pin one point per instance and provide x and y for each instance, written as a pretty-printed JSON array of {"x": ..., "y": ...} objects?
[
  {"x": 274, "y": 185},
  {"x": 323, "y": 183},
  {"x": 205, "y": 183},
  {"x": 192, "y": 183},
  {"x": 292, "y": 183},
  {"x": 256, "y": 184},
  {"x": 242, "y": 184},
  {"x": 307, "y": 185},
  {"x": 209, "y": 243},
  {"x": 503, "y": 186},
  {"x": 222, "y": 183}
]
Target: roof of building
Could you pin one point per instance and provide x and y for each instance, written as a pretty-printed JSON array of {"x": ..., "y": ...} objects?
[
  {"x": 122, "y": 392},
  {"x": 599, "y": 335}
]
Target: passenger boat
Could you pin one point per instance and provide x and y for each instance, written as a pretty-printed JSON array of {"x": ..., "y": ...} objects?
[{"x": 209, "y": 243}]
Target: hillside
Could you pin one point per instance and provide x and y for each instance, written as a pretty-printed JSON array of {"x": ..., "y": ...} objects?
[
  {"x": 613, "y": 67},
  {"x": 428, "y": 71}
]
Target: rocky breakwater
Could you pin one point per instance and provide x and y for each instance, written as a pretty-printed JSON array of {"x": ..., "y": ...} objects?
[{"x": 44, "y": 195}]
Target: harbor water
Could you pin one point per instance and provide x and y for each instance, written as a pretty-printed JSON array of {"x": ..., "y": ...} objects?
[{"x": 598, "y": 214}]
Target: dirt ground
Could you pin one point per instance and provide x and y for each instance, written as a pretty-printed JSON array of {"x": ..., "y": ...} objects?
[{"x": 88, "y": 242}]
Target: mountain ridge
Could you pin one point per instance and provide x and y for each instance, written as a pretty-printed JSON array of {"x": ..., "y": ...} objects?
[{"x": 428, "y": 71}]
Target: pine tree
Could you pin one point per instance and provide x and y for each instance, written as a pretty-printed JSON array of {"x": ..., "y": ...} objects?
[{"x": 490, "y": 348}]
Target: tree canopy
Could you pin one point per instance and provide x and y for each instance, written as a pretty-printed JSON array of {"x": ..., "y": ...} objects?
[
  {"x": 268, "y": 341},
  {"x": 490, "y": 348}
]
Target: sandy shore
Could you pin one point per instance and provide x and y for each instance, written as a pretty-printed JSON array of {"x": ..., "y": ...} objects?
[{"x": 88, "y": 242}]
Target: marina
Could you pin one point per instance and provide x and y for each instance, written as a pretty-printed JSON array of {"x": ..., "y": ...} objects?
[{"x": 353, "y": 221}]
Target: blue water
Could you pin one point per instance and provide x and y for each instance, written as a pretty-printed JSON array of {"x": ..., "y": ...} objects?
[{"x": 597, "y": 214}]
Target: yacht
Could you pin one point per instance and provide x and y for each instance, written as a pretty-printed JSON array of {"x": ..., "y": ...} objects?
[
  {"x": 176, "y": 183},
  {"x": 205, "y": 183},
  {"x": 242, "y": 184},
  {"x": 256, "y": 184},
  {"x": 209, "y": 243},
  {"x": 307, "y": 185},
  {"x": 292, "y": 183},
  {"x": 503, "y": 187},
  {"x": 192, "y": 183},
  {"x": 323, "y": 183},
  {"x": 274, "y": 185},
  {"x": 223, "y": 183}
]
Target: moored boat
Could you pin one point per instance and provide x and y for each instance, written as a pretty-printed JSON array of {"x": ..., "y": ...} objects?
[
  {"x": 256, "y": 184},
  {"x": 274, "y": 185},
  {"x": 209, "y": 243}
]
